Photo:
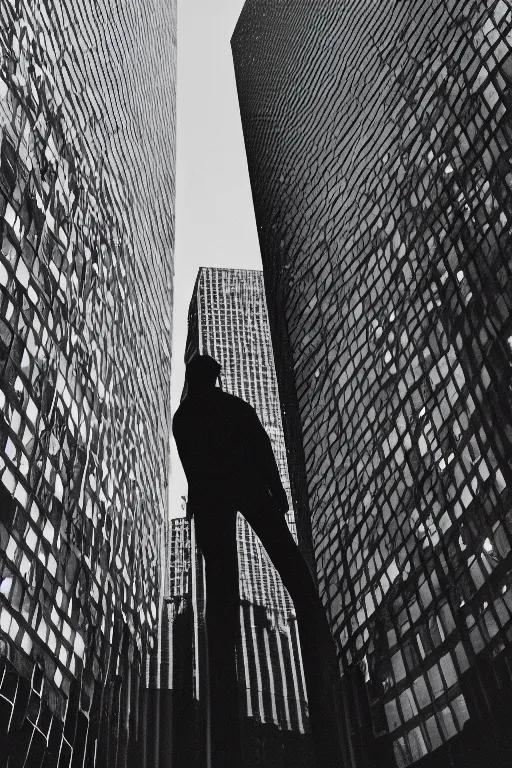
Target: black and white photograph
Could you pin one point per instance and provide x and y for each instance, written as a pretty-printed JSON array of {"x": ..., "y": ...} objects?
[{"x": 256, "y": 384}]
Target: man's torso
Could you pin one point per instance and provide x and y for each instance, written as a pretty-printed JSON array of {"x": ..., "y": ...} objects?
[{"x": 217, "y": 430}]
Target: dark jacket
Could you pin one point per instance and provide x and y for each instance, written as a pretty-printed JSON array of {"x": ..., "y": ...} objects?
[{"x": 225, "y": 451}]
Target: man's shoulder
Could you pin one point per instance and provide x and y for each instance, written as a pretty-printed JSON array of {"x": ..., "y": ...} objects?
[
  {"x": 234, "y": 400},
  {"x": 219, "y": 397},
  {"x": 220, "y": 401},
  {"x": 235, "y": 403}
]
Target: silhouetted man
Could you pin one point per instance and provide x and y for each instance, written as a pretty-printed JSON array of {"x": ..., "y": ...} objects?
[{"x": 230, "y": 466}]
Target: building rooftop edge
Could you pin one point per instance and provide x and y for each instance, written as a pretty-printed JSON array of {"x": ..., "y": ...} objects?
[{"x": 229, "y": 269}]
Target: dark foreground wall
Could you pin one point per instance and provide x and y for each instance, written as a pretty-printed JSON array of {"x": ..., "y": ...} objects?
[
  {"x": 86, "y": 242},
  {"x": 379, "y": 146}
]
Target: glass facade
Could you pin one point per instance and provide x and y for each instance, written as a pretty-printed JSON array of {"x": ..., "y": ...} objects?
[
  {"x": 87, "y": 126},
  {"x": 378, "y": 140}
]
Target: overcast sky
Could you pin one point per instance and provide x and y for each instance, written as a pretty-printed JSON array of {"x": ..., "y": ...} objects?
[{"x": 215, "y": 223}]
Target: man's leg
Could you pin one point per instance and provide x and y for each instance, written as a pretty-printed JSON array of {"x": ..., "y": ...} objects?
[
  {"x": 317, "y": 646},
  {"x": 216, "y": 538}
]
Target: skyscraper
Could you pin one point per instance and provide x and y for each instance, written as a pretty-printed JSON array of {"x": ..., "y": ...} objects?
[
  {"x": 378, "y": 139},
  {"x": 87, "y": 127},
  {"x": 228, "y": 320},
  {"x": 184, "y": 645}
]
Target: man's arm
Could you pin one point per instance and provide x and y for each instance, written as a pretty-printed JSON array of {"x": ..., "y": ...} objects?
[
  {"x": 186, "y": 457},
  {"x": 180, "y": 438},
  {"x": 264, "y": 455}
]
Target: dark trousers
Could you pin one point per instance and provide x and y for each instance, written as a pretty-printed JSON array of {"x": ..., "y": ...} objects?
[{"x": 216, "y": 537}]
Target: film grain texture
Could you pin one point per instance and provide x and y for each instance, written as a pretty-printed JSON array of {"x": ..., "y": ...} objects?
[{"x": 87, "y": 128}]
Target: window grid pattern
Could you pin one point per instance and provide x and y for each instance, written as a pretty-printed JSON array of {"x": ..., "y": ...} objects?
[
  {"x": 378, "y": 140},
  {"x": 86, "y": 242}
]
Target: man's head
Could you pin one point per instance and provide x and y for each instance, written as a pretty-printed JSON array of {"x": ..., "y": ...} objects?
[{"x": 202, "y": 373}]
